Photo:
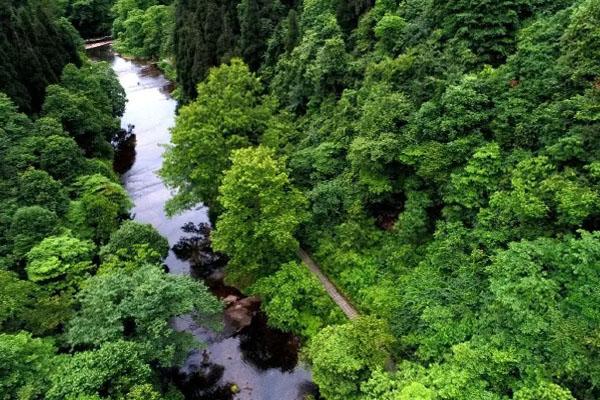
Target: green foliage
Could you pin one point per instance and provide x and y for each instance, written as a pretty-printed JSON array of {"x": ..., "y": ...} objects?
[
  {"x": 100, "y": 207},
  {"x": 262, "y": 211},
  {"x": 544, "y": 391},
  {"x": 229, "y": 113},
  {"x": 35, "y": 45},
  {"x": 488, "y": 27},
  {"x": 92, "y": 18},
  {"x": 60, "y": 262},
  {"x": 581, "y": 42},
  {"x": 113, "y": 370},
  {"x": 344, "y": 356},
  {"x": 39, "y": 188},
  {"x": 205, "y": 36},
  {"x": 316, "y": 67},
  {"x": 16, "y": 297},
  {"x": 61, "y": 157},
  {"x": 383, "y": 117},
  {"x": 143, "y": 392},
  {"x": 29, "y": 226},
  {"x": 542, "y": 287},
  {"x": 390, "y": 32},
  {"x": 144, "y": 30},
  {"x": 54, "y": 202},
  {"x": 87, "y": 102},
  {"x": 449, "y": 153},
  {"x": 295, "y": 300},
  {"x": 25, "y": 364},
  {"x": 138, "y": 306},
  {"x": 211, "y": 32},
  {"x": 257, "y": 20},
  {"x": 131, "y": 234}
]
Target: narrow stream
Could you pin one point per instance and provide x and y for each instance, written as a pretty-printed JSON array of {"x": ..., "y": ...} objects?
[{"x": 262, "y": 362}]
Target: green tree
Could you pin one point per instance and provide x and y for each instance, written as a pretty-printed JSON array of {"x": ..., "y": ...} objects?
[
  {"x": 316, "y": 68},
  {"x": 60, "y": 262},
  {"x": 580, "y": 42},
  {"x": 138, "y": 306},
  {"x": 131, "y": 234},
  {"x": 384, "y": 115},
  {"x": 61, "y": 158},
  {"x": 344, "y": 356},
  {"x": 543, "y": 391},
  {"x": 489, "y": 28},
  {"x": 229, "y": 113},
  {"x": 112, "y": 370},
  {"x": 295, "y": 300},
  {"x": 100, "y": 207},
  {"x": 205, "y": 36},
  {"x": 25, "y": 365},
  {"x": 29, "y": 226},
  {"x": 87, "y": 102},
  {"x": 35, "y": 44},
  {"x": 539, "y": 289},
  {"x": 258, "y": 19},
  {"x": 262, "y": 211},
  {"x": 92, "y": 18},
  {"x": 145, "y": 33},
  {"x": 39, "y": 188},
  {"x": 16, "y": 298}
]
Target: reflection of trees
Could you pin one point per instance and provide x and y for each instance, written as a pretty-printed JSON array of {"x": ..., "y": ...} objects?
[
  {"x": 267, "y": 347},
  {"x": 202, "y": 383},
  {"x": 196, "y": 248},
  {"x": 124, "y": 142}
]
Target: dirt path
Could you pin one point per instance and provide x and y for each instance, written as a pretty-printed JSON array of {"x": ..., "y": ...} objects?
[{"x": 335, "y": 295}]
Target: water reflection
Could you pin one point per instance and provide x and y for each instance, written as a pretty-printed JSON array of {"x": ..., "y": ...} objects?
[{"x": 262, "y": 362}]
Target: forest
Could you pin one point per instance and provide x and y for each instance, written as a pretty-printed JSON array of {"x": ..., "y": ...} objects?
[
  {"x": 440, "y": 160},
  {"x": 85, "y": 303}
]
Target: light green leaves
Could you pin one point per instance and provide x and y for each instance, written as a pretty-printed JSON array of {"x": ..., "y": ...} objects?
[{"x": 262, "y": 211}]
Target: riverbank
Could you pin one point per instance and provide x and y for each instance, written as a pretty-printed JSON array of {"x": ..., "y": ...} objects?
[{"x": 260, "y": 361}]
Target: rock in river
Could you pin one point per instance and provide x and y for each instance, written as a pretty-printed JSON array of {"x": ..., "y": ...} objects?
[{"x": 240, "y": 312}]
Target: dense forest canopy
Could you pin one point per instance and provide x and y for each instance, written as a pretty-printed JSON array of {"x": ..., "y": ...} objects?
[
  {"x": 35, "y": 45},
  {"x": 441, "y": 161},
  {"x": 85, "y": 303}
]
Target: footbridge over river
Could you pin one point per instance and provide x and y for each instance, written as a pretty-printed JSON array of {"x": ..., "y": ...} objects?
[{"x": 98, "y": 42}]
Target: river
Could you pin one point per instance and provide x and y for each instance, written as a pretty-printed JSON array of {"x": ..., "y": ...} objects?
[{"x": 260, "y": 361}]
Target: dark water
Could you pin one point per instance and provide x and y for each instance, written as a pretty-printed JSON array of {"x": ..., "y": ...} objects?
[{"x": 262, "y": 362}]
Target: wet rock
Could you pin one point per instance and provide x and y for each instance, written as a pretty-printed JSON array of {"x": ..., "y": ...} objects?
[
  {"x": 239, "y": 314},
  {"x": 252, "y": 302},
  {"x": 229, "y": 300}
]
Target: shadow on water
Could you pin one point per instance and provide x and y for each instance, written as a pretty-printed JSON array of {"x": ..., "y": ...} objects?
[
  {"x": 261, "y": 348},
  {"x": 260, "y": 361},
  {"x": 124, "y": 144}
]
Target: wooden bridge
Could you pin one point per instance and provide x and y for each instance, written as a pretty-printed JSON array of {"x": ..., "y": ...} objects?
[
  {"x": 330, "y": 288},
  {"x": 98, "y": 42}
]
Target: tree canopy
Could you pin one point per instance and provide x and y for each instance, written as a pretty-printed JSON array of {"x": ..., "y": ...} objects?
[{"x": 448, "y": 152}]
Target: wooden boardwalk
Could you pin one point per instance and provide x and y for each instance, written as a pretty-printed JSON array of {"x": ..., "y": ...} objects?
[{"x": 330, "y": 288}]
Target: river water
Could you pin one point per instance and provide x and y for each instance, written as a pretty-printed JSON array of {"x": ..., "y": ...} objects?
[{"x": 261, "y": 362}]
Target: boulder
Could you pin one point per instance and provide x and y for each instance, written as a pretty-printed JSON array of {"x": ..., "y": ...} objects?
[{"x": 239, "y": 313}]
